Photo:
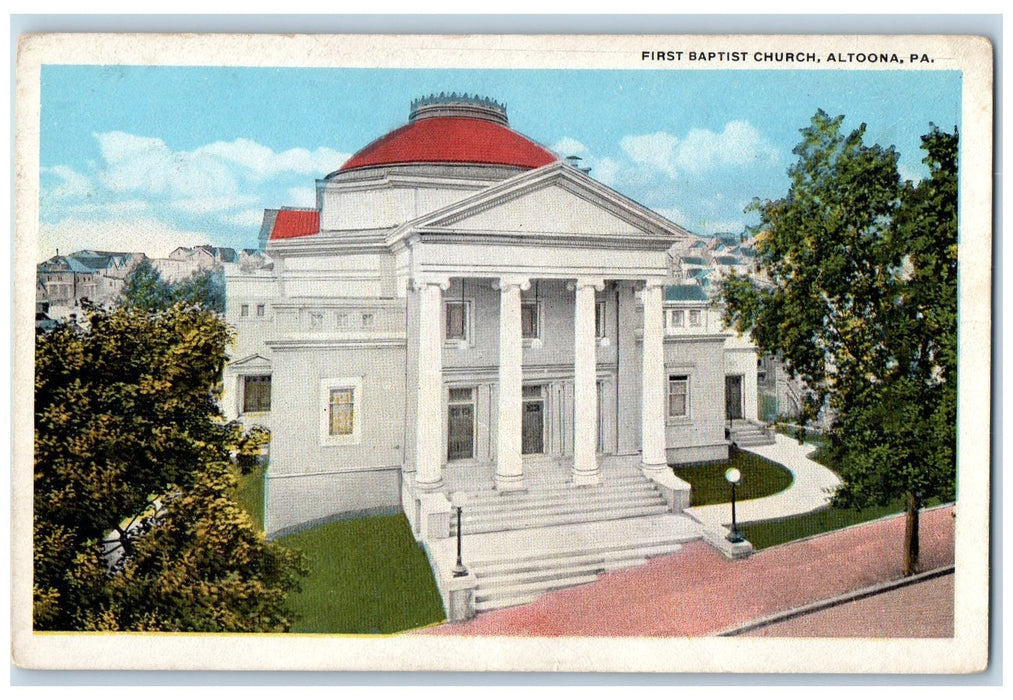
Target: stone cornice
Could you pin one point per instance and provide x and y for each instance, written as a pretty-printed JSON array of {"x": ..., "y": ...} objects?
[
  {"x": 334, "y": 342},
  {"x": 365, "y": 303},
  {"x": 372, "y": 181},
  {"x": 536, "y": 238},
  {"x": 489, "y": 374},
  {"x": 332, "y": 242}
]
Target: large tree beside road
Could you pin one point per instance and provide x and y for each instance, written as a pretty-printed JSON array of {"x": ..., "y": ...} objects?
[
  {"x": 135, "y": 522},
  {"x": 861, "y": 302}
]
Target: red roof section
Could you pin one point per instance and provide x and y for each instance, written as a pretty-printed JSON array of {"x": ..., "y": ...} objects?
[
  {"x": 452, "y": 140},
  {"x": 293, "y": 223}
]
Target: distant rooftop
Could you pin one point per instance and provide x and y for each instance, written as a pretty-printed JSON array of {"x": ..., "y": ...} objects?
[{"x": 685, "y": 292}]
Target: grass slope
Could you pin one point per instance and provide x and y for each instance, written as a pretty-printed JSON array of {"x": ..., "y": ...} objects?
[
  {"x": 760, "y": 477},
  {"x": 250, "y": 494},
  {"x": 368, "y": 575}
]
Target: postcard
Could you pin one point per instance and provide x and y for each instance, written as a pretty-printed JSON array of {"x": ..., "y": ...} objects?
[{"x": 502, "y": 353}]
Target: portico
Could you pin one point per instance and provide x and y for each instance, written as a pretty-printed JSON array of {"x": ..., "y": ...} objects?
[{"x": 550, "y": 392}]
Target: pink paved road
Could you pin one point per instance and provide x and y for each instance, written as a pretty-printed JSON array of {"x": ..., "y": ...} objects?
[
  {"x": 922, "y": 609},
  {"x": 698, "y": 592}
]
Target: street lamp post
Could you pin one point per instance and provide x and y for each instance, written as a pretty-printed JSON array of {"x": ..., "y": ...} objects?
[
  {"x": 733, "y": 476},
  {"x": 458, "y": 500}
]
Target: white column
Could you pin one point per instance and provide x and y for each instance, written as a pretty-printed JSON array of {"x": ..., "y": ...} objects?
[
  {"x": 429, "y": 407},
  {"x": 585, "y": 386},
  {"x": 509, "y": 467},
  {"x": 652, "y": 409}
]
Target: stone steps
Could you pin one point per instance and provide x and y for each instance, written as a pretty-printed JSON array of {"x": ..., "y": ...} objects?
[
  {"x": 746, "y": 434},
  {"x": 589, "y": 496},
  {"x": 575, "y": 556},
  {"x": 500, "y": 524},
  {"x": 507, "y": 583},
  {"x": 626, "y": 498}
]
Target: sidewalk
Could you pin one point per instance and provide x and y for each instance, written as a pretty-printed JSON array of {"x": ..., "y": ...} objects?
[
  {"x": 809, "y": 490},
  {"x": 698, "y": 592}
]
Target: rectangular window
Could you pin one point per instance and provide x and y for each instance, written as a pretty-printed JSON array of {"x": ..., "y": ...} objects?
[
  {"x": 342, "y": 411},
  {"x": 694, "y": 317},
  {"x": 260, "y": 310},
  {"x": 342, "y": 320},
  {"x": 676, "y": 318},
  {"x": 599, "y": 320},
  {"x": 456, "y": 313},
  {"x": 678, "y": 396},
  {"x": 257, "y": 394},
  {"x": 367, "y": 320},
  {"x": 529, "y": 320},
  {"x": 244, "y": 310}
]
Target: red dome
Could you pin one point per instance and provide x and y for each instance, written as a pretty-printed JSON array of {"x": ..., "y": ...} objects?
[{"x": 452, "y": 139}]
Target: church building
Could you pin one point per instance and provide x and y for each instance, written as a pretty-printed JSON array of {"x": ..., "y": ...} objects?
[{"x": 465, "y": 310}]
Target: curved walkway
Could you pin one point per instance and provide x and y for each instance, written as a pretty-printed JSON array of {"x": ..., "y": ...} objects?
[{"x": 810, "y": 490}]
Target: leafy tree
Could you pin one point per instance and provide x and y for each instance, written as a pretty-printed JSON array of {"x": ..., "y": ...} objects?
[
  {"x": 135, "y": 528},
  {"x": 145, "y": 289},
  {"x": 861, "y": 304},
  {"x": 205, "y": 289}
]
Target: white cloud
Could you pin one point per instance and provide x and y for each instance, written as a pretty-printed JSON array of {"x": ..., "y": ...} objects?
[
  {"x": 142, "y": 234},
  {"x": 261, "y": 162},
  {"x": 673, "y": 214},
  {"x": 207, "y": 179},
  {"x": 72, "y": 184},
  {"x": 206, "y": 205},
  {"x": 130, "y": 207},
  {"x": 738, "y": 144},
  {"x": 301, "y": 197},
  {"x": 568, "y": 146},
  {"x": 656, "y": 150},
  {"x": 247, "y": 218},
  {"x": 146, "y": 165},
  {"x": 605, "y": 171}
]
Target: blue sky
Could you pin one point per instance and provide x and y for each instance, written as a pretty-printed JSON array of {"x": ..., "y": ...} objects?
[{"x": 149, "y": 158}]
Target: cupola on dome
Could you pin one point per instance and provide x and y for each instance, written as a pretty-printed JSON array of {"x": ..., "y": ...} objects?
[{"x": 457, "y": 129}]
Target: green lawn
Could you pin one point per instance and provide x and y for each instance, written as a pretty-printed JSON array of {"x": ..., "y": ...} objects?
[
  {"x": 763, "y": 535},
  {"x": 760, "y": 477},
  {"x": 368, "y": 575},
  {"x": 250, "y": 495}
]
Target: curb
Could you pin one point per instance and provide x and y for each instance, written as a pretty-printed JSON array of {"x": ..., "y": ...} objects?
[{"x": 852, "y": 596}]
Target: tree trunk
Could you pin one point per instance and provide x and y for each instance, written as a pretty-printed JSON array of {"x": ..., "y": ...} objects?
[{"x": 911, "y": 536}]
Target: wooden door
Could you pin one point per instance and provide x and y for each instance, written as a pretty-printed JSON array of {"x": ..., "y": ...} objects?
[
  {"x": 533, "y": 428},
  {"x": 733, "y": 397},
  {"x": 461, "y": 431}
]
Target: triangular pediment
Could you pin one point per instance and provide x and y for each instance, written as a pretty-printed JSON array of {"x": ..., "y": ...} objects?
[
  {"x": 554, "y": 201},
  {"x": 251, "y": 362}
]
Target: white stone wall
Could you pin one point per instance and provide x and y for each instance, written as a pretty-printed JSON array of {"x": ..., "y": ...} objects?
[{"x": 700, "y": 436}]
